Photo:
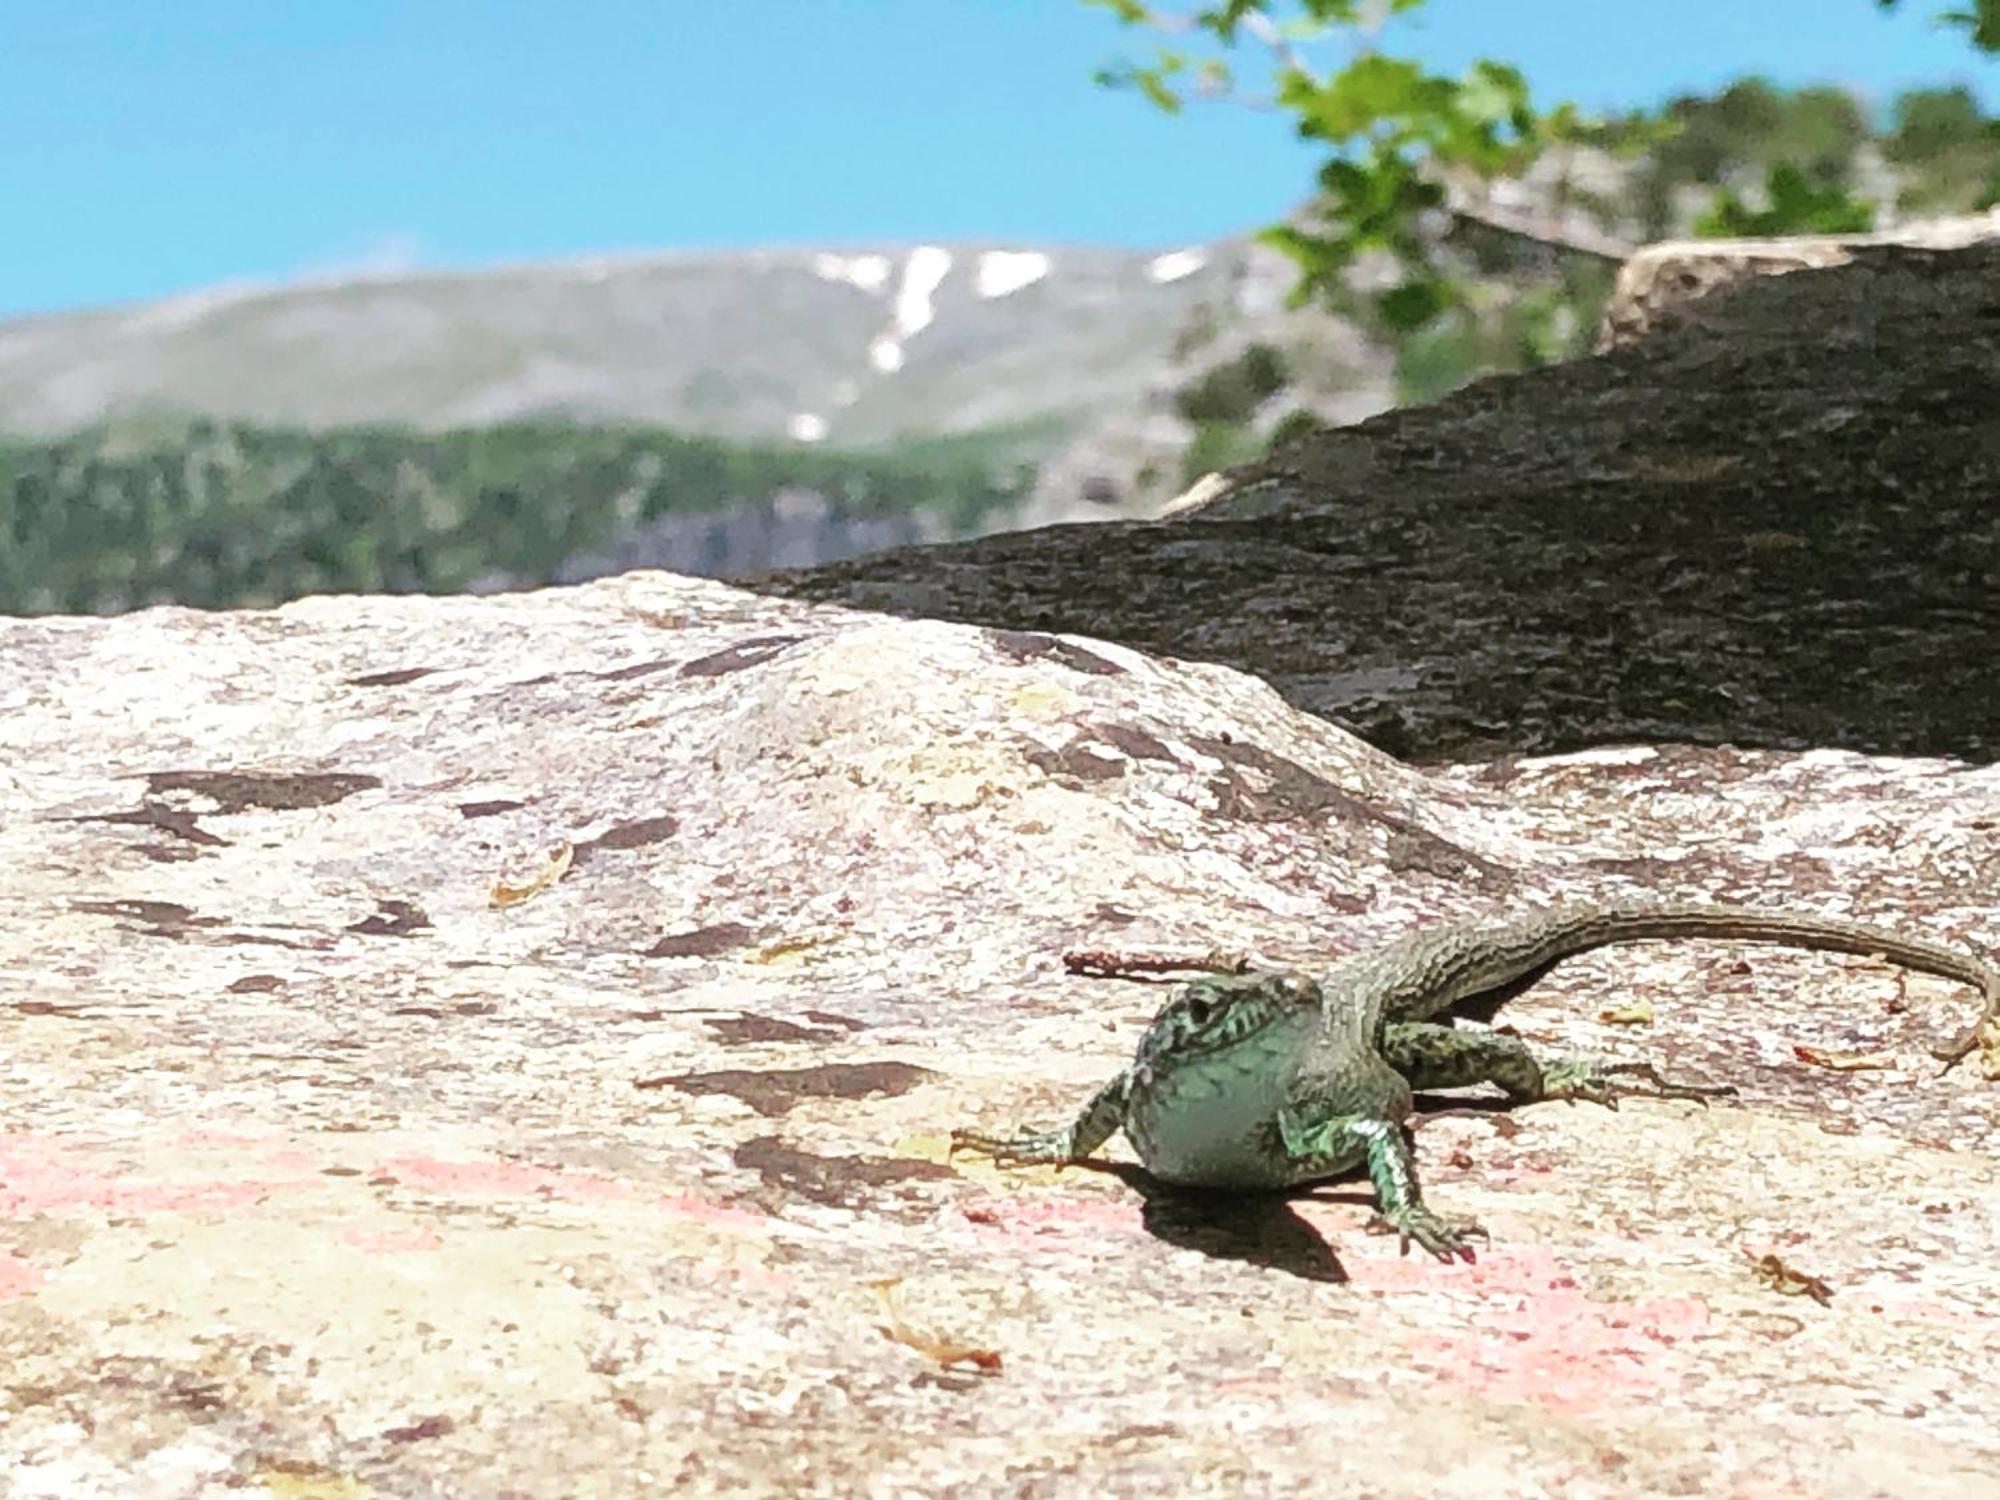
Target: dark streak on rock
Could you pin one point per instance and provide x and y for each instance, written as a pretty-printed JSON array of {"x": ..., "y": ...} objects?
[
  {"x": 1076, "y": 761},
  {"x": 429, "y": 1427},
  {"x": 47, "y": 1008},
  {"x": 1134, "y": 741},
  {"x": 1640, "y": 867},
  {"x": 256, "y": 984},
  {"x": 488, "y": 809},
  {"x": 234, "y": 791},
  {"x": 830, "y": 1018},
  {"x": 837, "y": 1181},
  {"x": 181, "y": 823},
  {"x": 168, "y": 854},
  {"x": 750, "y": 653},
  {"x": 1292, "y": 792},
  {"x": 773, "y": 1091},
  {"x": 394, "y": 677},
  {"x": 636, "y": 834},
  {"x": 740, "y": 1030},
  {"x": 200, "y": 1397},
  {"x": 1027, "y": 645},
  {"x": 392, "y": 918},
  {"x": 638, "y": 669},
  {"x": 1417, "y": 851},
  {"x": 265, "y": 940},
  {"x": 702, "y": 942},
  {"x": 160, "y": 918}
]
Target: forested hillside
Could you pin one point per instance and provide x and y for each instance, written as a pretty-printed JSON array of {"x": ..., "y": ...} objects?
[{"x": 218, "y": 514}]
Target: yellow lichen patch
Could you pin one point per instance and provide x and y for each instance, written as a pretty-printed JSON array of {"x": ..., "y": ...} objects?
[
  {"x": 926, "y": 1145},
  {"x": 553, "y": 868},
  {"x": 314, "y": 1486},
  {"x": 959, "y": 789},
  {"x": 792, "y": 952},
  {"x": 1639, "y": 1013},
  {"x": 1989, "y": 1049},
  {"x": 1044, "y": 701},
  {"x": 954, "y": 776},
  {"x": 1843, "y": 1062}
]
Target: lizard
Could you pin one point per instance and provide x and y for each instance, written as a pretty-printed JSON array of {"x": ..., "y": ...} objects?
[{"x": 1262, "y": 1081}]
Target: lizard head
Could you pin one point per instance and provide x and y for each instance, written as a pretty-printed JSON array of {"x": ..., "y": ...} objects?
[{"x": 1216, "y": 1013}]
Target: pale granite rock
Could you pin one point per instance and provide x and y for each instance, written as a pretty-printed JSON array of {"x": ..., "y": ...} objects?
[{"x": 325, "y": 1175}]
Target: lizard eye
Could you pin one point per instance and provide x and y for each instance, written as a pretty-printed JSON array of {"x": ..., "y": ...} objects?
[{"x": 1199, "y": 1011}]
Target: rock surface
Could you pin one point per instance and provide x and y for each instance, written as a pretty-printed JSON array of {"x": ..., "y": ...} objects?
[
  {"x": 1658, "y": 284},
  {"x": 1775, "y": 525},
  {"x": 326, "y": 1175}
]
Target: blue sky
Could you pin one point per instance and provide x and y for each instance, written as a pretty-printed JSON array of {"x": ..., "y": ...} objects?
[{"x": 150, "y": 147}]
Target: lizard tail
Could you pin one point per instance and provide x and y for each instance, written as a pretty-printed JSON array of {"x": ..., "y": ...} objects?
[
  {"x": 1478, "y": 958},
  {"x": 1832, "y": 935}
]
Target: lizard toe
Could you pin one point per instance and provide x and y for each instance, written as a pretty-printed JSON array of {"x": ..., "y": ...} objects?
[
  {"x": 1598, "y": 1082},
  {"x": 1020, "y": 1150},
  {"x": 1446, "y": 1238}
]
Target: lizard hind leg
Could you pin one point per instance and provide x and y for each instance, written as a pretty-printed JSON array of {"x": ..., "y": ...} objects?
[{"x": 1435, "y": 1056}]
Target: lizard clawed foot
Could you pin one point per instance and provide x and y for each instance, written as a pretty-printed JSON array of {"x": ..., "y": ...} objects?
[
  {"x": 1020, "y": 1150},
  {"x": 1445, "y": 1238},
  {"x": 1605, "y": 1083}
]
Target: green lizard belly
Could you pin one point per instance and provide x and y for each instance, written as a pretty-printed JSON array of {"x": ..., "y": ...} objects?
[{"x": 1212, "y": 1122}]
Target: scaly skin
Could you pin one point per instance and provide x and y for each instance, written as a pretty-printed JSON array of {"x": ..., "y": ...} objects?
[{"x": 1258, "y": 1082}]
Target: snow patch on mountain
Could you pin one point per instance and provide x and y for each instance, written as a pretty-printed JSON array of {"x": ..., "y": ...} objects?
[
  {"x": 1001, "y": 272},
  {"x": 868, "y": 272},
  {"x": 1174, "y": 265}
]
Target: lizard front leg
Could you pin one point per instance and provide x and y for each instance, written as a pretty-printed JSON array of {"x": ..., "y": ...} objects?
[
  {"x": 1324, "y": 1147},
  {"x": 1435, "y": 1056},
  {"x": 1096, "y": 1125}
]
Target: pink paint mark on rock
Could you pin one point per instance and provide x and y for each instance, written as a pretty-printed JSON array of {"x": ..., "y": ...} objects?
[
  {"x": 707, "y": 1211},
  {"x": 394, "y": 1242},
  {"x": 1665, "y": 1320},
  {"x": 507, "y": 1178},
  {"x": 747, "y": 1278},
  {"x": 200, "y": 1197},
  {"x": 1374, "y": 1264},
  {"x": 1020, "y": 1219},
  {"x": 17, "y": 1277},
  {"x": 39, "y": 1175},
  {"x": 1533, "y": 1336},
  {"x": 228, "y": 1140}
]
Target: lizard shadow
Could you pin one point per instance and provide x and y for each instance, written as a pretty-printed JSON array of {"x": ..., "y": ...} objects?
[{"x": 1259, "y": 1229}]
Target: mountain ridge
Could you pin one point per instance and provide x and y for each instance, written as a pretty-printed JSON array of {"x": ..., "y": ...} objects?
[{"x": 878, "y": 342}]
